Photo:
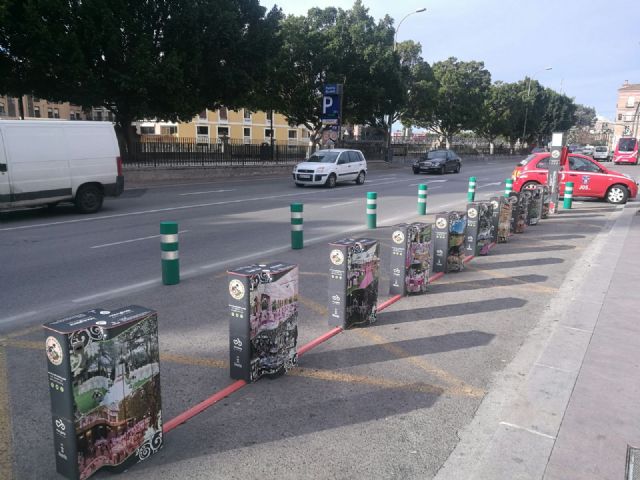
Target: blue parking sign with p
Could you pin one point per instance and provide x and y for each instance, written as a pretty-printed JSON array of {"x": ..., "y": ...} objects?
[{"x": 331, "y": 106}]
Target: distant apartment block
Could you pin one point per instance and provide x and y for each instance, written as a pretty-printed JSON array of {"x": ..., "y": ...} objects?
[
  {"x": 38, "y": 108},
  {"x": 627, "y": 120}
]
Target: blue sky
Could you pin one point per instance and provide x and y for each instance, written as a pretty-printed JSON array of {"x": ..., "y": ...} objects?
[{"x": 593, "y": 46}]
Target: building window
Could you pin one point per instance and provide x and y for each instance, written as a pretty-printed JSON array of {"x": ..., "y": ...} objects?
[
  {"x": 223, "y": 132},
  {"x": 203, "y": 115},
  {"x": 203, "y": 130},
  {"x": 49, "y": 112},
  {"x": 56, "y": 113},
  {"x": 2, "y": 110},
  {"x": 631, "y": 102},
  {"x": 268, "y": 133},
  {"x": 247, "y": 116},
  {"x": 147, "y": 131},
  {"x": 619, "y": 117},
  {"x": 293, "y": 134},
  {"x": 99, "y": 115},
  {"x": 270, "y": 115},
  {"x": 246, "y": 135},
  {"x": 169, "y": 130},
  {"x": 223, "y": 114},
  {"x": 72, "y": 116}
]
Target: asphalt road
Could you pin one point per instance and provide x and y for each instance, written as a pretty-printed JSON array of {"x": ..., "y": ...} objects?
[
  {"x": 383, "y": 402},
  {"x": 62, "y": 261}
]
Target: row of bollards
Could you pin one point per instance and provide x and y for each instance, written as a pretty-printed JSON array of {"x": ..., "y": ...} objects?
[{"x": 169, "y": 230}]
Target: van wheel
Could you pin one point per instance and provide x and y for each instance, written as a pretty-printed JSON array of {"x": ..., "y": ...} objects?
[
  {"x": 89, "y": 199},
  {"x": 529, "y": 186},
  {"x": 617, "y": 194},
  {"x": 331, "y": 181},
  {"x": 360, "y": 178}
]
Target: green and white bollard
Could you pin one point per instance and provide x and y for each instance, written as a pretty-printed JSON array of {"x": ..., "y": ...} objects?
[
  {"x": 422, "y": 199},
  {"x": 297, "y": 239},
  {"x": 471, "y": 193},
  {"x": 508, "y": 187},
  {"x": 568, "y": 196},
  {"x": 372, "y": 205},
  {"x": 169, "y": 248}
]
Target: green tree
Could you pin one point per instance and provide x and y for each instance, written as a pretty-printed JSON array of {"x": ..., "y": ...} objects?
[
  {"x": 460, "y": 101},
  {"x": 585, "y": 117},
  {"x": 498, "y": 109},
  {"x": 418, "y": 84},
  {"x": 333, "y": 45},
  {"x": 156, "y": 58}
]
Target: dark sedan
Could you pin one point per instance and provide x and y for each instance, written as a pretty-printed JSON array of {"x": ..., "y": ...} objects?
[{"x": 440, "y": 161}]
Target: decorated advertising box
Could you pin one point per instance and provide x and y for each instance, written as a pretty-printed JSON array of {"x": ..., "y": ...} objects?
[
  {"x": 263, "y": 328},
  {"x": 495, "y": 217},
  {"x": 535, "y": 206},
  {"x": 353, "y": 282},
  {"x": 513, "y": 200},
  {"x": 523, "y": 211},
  {"x": 546, "y": 198},
  {"x": 410, "y": 258},
  {"x": 104, "y": 383},
  {"x": 449, "y": 239},
  {"x": 505, "y": 217},
  {"x": 479, "y": 231}
]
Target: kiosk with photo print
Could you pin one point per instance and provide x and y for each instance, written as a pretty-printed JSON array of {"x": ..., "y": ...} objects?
[
  {"x": 104, "y": 383},
  {"x": 263, "y": 330},
  {"x": 354, "y": 266},
  {"x": 411, "y": 253}
]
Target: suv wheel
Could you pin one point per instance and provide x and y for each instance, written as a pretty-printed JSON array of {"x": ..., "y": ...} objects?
[
  {"x": 331, "y": 181},
  {"x": 617, "y": 194},
  {"x": 360, "y": 178}
]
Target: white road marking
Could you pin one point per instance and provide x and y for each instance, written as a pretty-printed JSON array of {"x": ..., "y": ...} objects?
[
  {"x": 202, "y": 193},
  {"x": 489, "y": 184},
  {"x": 528, "y": 430},
  {"x": 115, "y": 291},
  {"x": 18, "y": 317},
  {"x": 387, "y": 183},
  {"x": 161, "y": 210},
  {"x": 337, "y": 204},
  {"x": 132, "y": 240},
  {"x": 428, "y": 182}
]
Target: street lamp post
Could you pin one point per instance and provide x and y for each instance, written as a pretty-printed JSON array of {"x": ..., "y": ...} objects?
[
  {"x": 390, "y": 120},
  {"x": 526, "y": 108}
]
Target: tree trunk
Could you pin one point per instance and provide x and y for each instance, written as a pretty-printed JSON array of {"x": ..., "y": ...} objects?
[{"x": 126, "y": 134}]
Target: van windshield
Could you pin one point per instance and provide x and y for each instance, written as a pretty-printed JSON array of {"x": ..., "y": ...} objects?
[
  {"x": 323, "y": 157},
  {"x": 601, "y": 149}
]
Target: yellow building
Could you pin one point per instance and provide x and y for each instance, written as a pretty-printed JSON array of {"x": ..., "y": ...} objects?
[{"x": 237, "y": 126}]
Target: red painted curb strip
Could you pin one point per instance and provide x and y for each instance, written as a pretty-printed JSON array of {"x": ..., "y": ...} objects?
[
  {"x": 202, "y": 406},
  {"x": 322, "y": 338}
]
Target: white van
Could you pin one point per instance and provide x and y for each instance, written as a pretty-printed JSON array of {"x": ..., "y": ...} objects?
[{"x": 45, "y": 162}]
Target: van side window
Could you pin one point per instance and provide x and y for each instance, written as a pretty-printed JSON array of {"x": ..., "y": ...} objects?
[{"x": 543, "y": 164}]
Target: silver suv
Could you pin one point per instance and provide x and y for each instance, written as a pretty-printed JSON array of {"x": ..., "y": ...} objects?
[{"x": 328, "y": 167}]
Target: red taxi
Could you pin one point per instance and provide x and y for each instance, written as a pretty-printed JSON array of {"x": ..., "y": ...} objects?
[{"x": 590, "y": 179}]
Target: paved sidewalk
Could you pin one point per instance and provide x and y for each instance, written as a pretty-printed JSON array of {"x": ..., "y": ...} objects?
[
  {"x": 602, "y": 416},
  {"x": 566, "y": 406}
]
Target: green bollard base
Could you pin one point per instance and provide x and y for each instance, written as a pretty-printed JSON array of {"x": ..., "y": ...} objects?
[
  {"x": 170, "y": 272},
  {"x": 297, "y": 240}
]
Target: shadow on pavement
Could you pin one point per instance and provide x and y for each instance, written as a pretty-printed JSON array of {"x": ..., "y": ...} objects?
[
  {"x": 519, "y": 263},
  {"x": 384, "y": 352},
  {"x": 449, "y": 311},
  {"x": 487, "y": 283}
]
